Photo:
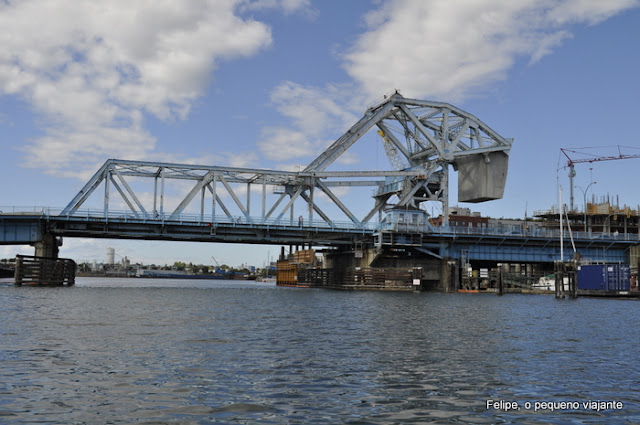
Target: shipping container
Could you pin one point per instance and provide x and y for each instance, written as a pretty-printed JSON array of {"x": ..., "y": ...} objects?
[{"x": 604, "y": 277}]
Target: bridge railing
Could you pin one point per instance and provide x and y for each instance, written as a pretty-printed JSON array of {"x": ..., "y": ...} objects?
[
  {"x": 188, "y": 218},
  {"x": 203, "y": 219},
  {"x": 536, "y": 232},
  {"x": 504, "y": 230}
]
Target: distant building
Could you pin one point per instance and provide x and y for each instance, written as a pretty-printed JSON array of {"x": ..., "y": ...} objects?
[
  {"x": 94, "y": 266},
  {"x": 462, "y": 217},
  {"x": 111, "y": 256}
]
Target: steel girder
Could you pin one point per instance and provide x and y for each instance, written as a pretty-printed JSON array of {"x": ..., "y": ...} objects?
[
  {"x": 432, "y": 131},
  {"x": 221, "y": 181},
  {"x": 430, "y": 135}
]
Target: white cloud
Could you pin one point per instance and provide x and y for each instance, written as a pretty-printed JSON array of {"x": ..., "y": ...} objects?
[
  {"x": 588, "y": 11},
  {"x": 93, "y": 69},
  {"x": 238, "y": 159},
  {"x": 439, "y": 49},
  {"x": 281, "y": 143},
  {"x": 316, "y": 115},
  {"x": 446, "y": 50}
]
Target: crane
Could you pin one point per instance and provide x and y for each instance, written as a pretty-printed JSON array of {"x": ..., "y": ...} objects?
[
  {"x": 590, "y": 158},
  {"x": 395, "y": 159}
]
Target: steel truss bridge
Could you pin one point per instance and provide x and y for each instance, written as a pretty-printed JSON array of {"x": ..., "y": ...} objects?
[
  {"x": 422, "y": 139},
  {"x": 26, "y": 225},
  {"x": 318, "y": 206}
]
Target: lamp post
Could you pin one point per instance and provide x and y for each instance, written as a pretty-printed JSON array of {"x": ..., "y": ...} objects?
[{"x": 584, "y": 193}]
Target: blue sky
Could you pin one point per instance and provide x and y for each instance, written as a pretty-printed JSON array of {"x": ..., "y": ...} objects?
[{"x": 270, "y": 83}]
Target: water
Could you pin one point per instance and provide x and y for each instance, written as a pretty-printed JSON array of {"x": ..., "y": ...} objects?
[{"x": 111, "y": 351}]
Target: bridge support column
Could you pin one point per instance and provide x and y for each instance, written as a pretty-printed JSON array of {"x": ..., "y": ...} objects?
[{"x": 49, "y": 246}]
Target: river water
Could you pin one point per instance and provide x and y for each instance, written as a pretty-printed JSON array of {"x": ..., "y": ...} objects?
[{"x": 123, "y": 351}]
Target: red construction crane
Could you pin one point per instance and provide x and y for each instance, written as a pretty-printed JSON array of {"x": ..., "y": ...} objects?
[{"x": 591, "y": 158}]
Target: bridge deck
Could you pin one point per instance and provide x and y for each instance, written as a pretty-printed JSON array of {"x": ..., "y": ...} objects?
[{"x": 497, "y": 244}]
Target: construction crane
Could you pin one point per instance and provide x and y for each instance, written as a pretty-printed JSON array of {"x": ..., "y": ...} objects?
[
  {"x": 590, "y": 158},
  {"x": 392, "y": 153}
]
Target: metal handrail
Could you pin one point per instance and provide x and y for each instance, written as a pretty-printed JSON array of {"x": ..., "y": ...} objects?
[
  {"x": 200, "y": 219},
  {"x": 187, "y": 218}
]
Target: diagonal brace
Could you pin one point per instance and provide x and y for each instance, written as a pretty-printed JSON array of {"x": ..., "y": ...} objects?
[
  {"x": 235, "y": 198},
  {"x": 337, "y": 201},
  {"x": 124, "y": 196},
  {"x": 88, "y": 189},
  {"x": 128, "y": 188},
  {"x": 316, "y": 208},
  {"x": 206, "y": 179},
  {"x": 291, "y": 201},
  {"x": 219, "y": 202}
]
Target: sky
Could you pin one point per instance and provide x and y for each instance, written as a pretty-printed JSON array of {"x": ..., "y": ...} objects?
[{"x": 271, "y": 83}]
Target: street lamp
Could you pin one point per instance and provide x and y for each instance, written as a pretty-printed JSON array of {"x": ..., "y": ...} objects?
[{"x": 584, "y": 193}]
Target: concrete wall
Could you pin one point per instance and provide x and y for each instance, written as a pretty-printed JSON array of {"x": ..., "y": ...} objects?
[
  {"x": 49, "y": 246},
  {"x": 479, "y": 180}
]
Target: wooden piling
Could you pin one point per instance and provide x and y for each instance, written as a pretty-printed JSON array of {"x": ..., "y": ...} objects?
[
  {"x": 559, "y": 278},
  {"x": 568, "y": 270},
  {"x": 500, "y": 283},
  {"x": 44, "y": 271}
]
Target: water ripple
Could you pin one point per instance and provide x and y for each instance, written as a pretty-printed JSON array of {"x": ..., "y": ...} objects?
[{"x": 124, "y": 352}]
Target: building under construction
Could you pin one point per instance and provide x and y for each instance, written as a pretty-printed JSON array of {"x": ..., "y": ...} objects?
[{"x": 603, "y": 218}]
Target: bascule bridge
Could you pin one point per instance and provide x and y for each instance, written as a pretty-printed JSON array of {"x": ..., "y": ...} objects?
[{"x": 359, "y": 218}]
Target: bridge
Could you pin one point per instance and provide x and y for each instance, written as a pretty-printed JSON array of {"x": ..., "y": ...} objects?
[
  {"x": 322, "y": 205},
  {"x": 33, "y": 225}
]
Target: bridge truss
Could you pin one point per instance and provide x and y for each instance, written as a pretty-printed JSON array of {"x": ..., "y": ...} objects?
[{"x": 431, "y": 136}]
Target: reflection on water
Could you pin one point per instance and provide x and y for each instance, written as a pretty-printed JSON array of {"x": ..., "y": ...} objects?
[{"x": 202, "y": 352}]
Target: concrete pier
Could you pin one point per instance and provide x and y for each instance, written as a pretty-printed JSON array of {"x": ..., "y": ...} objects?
[{"x": 48, "y": 247}]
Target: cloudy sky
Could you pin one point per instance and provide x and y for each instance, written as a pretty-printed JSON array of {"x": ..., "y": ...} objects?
[{"x": 270, "y": 83}]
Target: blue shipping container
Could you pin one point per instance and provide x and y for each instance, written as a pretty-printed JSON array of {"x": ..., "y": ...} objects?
[
  {"x": 592, "y": 277},
  {"x": 604, "y": 277},
  {"x": 618, "y": 277}
]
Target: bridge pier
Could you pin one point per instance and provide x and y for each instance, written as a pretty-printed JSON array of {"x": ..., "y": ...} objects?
[
  {"x": 384, "y": 268},
  {"x": 48, "y": 247}
]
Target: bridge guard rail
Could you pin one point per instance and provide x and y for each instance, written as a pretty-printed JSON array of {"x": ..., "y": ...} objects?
[{"x": 44, "y": 271}]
